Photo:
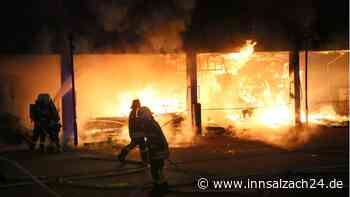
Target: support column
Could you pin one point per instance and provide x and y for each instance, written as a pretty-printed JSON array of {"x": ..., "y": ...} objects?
[
  {"x": 306, "y": 88},
  {"x": 294, "y": 69},
  {"x": 192, "y": 98},
  {"x": 70, "y": 134}
]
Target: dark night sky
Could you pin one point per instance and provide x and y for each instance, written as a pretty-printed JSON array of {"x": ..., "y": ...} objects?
[{"x": 168, "y": 26}]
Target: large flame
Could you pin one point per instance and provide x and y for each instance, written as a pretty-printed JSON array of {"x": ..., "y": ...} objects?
[
  {"x": 160, "y": 104},
  {"x": 268, "y": 107},
  {"x": 241, "y": 94},
  {"x": 269, "y": 103},
  {"x": 165, "y": 107},
  {"x": 250, "y": 93},
  {"x": 104, "y": 100}
]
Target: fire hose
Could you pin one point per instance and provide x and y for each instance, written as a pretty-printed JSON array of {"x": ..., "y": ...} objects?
[
  {"x": 119, "y": 185},
  {"x": 174, "y": 164},
  {"x": 70, "y": 178}
]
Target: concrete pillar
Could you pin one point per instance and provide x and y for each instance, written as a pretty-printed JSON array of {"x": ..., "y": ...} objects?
[
  {"x": 70, "y": 134},
  {"x": 294, "y": 70},
  {"x": 192, "y": 97},
  {"x": 306, "y": 88}
]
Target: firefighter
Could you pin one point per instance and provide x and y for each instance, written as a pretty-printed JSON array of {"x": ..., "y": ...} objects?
[
  {"x": 157, "y": 148},
  {"x": 136, "y": 134},
  {"x": 46, "y": 121}
]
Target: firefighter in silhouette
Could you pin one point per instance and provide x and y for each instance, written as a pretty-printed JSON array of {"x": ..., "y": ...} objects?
[
  {"x": 46, "y": 121},
  {"x": 158, "y": 149},
  {"x": 136, "y": 134}
]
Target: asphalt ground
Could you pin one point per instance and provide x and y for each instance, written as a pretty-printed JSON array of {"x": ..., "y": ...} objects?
[{"x": 96, "y": 171}]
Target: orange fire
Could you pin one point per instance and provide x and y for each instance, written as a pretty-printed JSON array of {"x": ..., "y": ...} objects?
[
  {"x": 270, "y": 103},
  {"x": 160, "y": 104},
  {"x": 269, "y": 108},
  {"x": 104, "y": 100},
  {"x": 249, "y": 95},
  {"x": 325, "y": 114}
]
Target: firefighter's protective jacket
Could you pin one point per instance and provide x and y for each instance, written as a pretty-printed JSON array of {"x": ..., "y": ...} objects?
[
  {"x": 156, "y": 141},
  {"x": 135, "y": 130},
  {"x": 44, "y": 115}
]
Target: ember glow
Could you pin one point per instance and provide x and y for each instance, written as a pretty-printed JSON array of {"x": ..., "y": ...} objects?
[
  {"x": 238, "y": 91},
  {"x": 326, "y": 115}
]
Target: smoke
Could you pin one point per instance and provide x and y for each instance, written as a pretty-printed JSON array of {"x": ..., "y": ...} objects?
[
  {"x": 138, "y": 26},
  {"x": 163, "y": 27},
  {"x": 163, "y": 36},
  {"x": 118, "y": 26},
  {"x": 113, "y": 17},
  {"x": 286, "y": 138},
  {"x": 44, "y": 41}
]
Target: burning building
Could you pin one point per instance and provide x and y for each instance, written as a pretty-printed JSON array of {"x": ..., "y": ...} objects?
[
  {"x": 249, "y": 74},
  {"x": 245, "y": 93}
]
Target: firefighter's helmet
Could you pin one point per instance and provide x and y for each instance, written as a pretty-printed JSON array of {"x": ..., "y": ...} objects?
[
  {"x": 135, "y": 104},
  {"x": 43, "y": 98},
  {"x": 146, "y": 112}
]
